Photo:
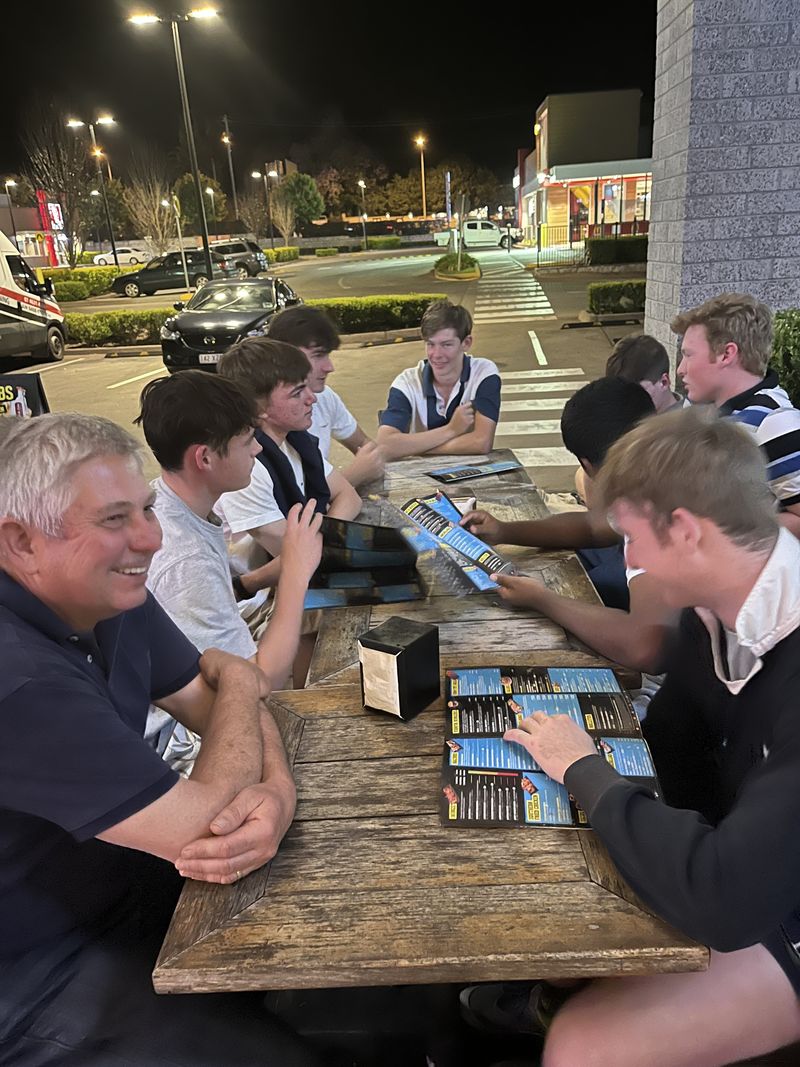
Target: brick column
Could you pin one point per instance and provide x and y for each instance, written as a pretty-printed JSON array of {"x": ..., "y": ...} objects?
[{"x": 725, "y": 212}]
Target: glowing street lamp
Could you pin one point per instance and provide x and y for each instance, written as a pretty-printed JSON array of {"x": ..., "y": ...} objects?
[
  {"x": 267, "y": 174},
  {"x": 204, "y": 13},
  {"x": 226, "y": 140},
  {"x": 419, "y": 141}
]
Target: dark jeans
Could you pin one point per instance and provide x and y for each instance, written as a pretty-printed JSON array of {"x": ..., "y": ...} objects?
[
  {"x": 606, "y": 570},
  {"x": 97, "y": 1008}
]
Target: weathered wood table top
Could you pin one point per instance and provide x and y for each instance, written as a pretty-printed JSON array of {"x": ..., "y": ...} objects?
[{"x": 367, "y": 887}]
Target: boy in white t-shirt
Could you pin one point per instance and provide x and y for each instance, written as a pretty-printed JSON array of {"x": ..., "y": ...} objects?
[{"x": 315, "y": 334}]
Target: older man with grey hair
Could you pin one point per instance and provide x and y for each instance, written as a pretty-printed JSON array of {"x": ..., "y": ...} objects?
[{"x": 93, "y": 824}]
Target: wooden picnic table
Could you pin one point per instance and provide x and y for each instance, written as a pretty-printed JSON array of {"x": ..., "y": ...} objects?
[{"x": 368, "y": 888}]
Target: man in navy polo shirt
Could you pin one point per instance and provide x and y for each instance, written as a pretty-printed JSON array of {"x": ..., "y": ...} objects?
[
  {"x": 449, "y": 403},
  {"x": 93, "y": 824}
]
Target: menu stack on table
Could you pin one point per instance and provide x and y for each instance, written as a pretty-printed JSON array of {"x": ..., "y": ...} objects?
[{"x": 487, "y": 781}]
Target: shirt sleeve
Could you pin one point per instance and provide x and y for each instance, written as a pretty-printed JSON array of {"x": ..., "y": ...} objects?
[
  {"x": 779, "y": 436},
  {"x": 487, "y": 397},
  {"x": 343, "y": 423},
  {"x": 397, "y": 412},
  {"x": 66, "y": 756},
  {"x": 174, "y": 660},
  {"x": 254, "y": 506}
]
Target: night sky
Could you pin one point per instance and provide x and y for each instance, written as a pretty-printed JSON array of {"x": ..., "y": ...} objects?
[{"x": 286, "y": 71}]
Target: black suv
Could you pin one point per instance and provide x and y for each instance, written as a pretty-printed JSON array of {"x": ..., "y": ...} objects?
[
  {"x": 166, "y": 272},
  {"x": 245, "y": 254}
]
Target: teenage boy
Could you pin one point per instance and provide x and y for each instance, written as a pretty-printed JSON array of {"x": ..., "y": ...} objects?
[
  {"x": 315, "y": 334},
  {"x": 449, "y": 403},
  {"x": 290, "y": 468},
  {"x": 642, "y": 359},
  {"x": 725, "y": 351},
  {"x": 593, "y": 419},
  {"x": 718, "y": 857},
  {"x": 200, "y": 428}
]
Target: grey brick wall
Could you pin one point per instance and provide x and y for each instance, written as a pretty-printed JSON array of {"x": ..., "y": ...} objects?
[{"x": 725, "y": 210}]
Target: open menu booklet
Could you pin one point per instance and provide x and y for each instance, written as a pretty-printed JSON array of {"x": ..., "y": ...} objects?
[
  {"x": 368, "y": 564},
  {"x": 487, "y": 781}
]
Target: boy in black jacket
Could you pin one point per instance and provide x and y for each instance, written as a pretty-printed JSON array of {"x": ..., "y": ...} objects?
[{"x": 720, "y": 859}]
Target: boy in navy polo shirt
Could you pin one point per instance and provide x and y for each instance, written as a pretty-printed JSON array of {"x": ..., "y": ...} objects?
[
  {"x": 93, "y": 823},
  {"x": 449, "y": 403}
]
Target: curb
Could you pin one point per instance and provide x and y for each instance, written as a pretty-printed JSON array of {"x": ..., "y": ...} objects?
[{"x": 464, "y": 276}]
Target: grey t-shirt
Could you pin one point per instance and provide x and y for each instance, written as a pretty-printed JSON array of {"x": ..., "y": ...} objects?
[{"x": 191, "y": 579}]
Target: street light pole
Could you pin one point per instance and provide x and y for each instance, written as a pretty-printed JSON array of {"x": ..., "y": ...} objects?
[
  {"x": 420, "y": 143},
  {"x": 210, "y": 192},
  {"x": 363, "y": 187},
  {"x": 9, "y": 184},
  {"x": 173, "y": 200},
  {"x": 268, "y": 186},
  {"x": 187, "y": 121},
  {"x": 97, "y": 153},
  {"x": 226, "y": 140}
]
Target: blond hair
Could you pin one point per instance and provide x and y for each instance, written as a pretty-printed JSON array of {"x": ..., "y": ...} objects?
[
  {"x": 736, "y": 318},
  {"x": 693, "y": 459}
]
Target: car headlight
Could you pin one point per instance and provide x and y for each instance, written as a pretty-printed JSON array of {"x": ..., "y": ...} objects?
[{"x": 168, "y": 331}]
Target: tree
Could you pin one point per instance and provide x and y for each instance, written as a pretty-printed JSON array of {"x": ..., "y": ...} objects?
[
  {"x": 302, "y": 193},
  {"x": 22, "y": 192},
  {"x": 253, "y": 211},
  {"x": 185, "y": 192},
  {"x": 330, "y": 187},
  {"x": 59, "y": 164},
  {"x": 93, "y": 215},
  {"x": 144, "y": 195},
  {"x": 283, "y": 212}
]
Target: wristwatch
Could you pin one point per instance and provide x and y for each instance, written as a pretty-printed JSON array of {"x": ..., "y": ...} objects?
[{"x": 239, "y": 590}]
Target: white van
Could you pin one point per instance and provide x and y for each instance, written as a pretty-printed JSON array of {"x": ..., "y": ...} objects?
[{"x": 30, "y": 319}]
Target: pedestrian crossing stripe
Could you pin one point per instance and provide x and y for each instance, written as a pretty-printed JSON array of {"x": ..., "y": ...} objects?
[
  {"x": 541, "y": 387},
  {"x": 533, "y": 403},
  {"x": 545, "y": 457}
]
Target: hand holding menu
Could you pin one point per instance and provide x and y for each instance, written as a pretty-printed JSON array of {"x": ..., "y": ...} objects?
[{"x": 487, "y": 781}]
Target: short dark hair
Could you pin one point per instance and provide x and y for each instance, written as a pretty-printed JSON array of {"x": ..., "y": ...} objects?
[
  {"x": 259, "y": 365},
  {"x": 192, "y": 408},
  {"x": 305, "y": 327},
  {"x": 638, "y": 358},
  {"x": 599, "y": 414},
  {"x": 445, "y": 315}
]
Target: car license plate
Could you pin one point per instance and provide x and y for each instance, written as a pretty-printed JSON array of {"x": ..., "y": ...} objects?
[{"x": 209, "y": 357}]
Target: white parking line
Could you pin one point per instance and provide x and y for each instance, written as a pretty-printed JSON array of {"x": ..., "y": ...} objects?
[
  {"x": 138, "y": 378},
  {"x": 541, "y": 358},
  {"x": 58, "y": 366}
]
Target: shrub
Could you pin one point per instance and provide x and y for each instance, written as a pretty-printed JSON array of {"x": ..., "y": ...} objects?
[
  {"x": 449, "y": 264},
  {"x": 117, "y": 327},
  {"x": 66, "y": 291},
  {"x": 86, "y": 257},
  {"x": 361, "y": 314},
  {"x": 326, "y": 251},
  {"x": 601, "y": 250},
  {"x": 96, "y": 279},
  {"x": 612, "y": 297},
  {"x": 281, "y": 254},
  {"x": 384, "y": 242},
  {"x": 786, "y": 351}
]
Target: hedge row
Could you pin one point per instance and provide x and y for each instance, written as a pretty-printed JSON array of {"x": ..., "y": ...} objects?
[
  {"x": 351, "y": 315},
  {"x": 611, "y": 297},
  {"x": 326, "y": 251},
  {"x": 66, "y": 291},
  {"x": 384, "y": 242},
  {"x": 281, "y": 254},
  {"x": 602, "y": 250},
  {"x": 96, "y": 279}
]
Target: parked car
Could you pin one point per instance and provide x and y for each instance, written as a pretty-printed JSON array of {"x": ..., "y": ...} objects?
[
  {"x": 166, "y": 272},
  {"x": 125, "y": 255},
  {"x": 481, "y": 233},
  {"x": 247, "y": 256},
  {"x": 30, "y": 318},
  {"x": 217, "y": 316}
]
